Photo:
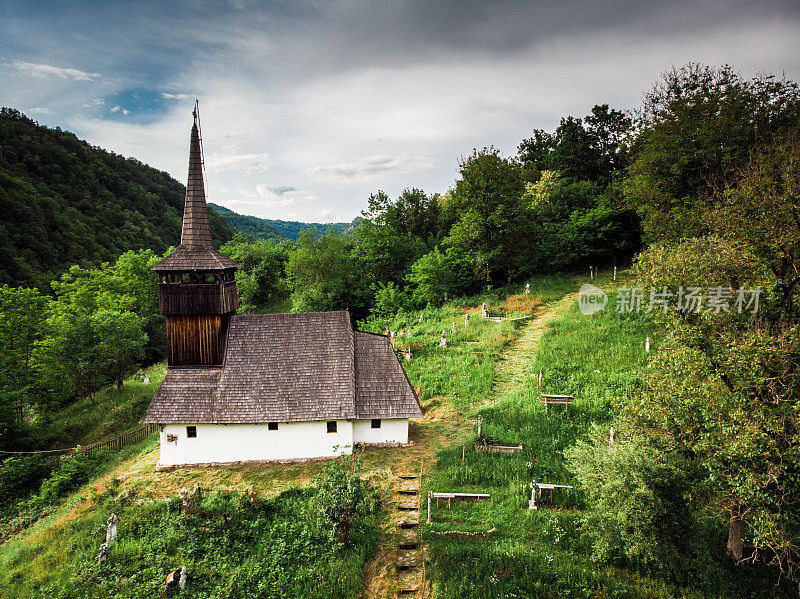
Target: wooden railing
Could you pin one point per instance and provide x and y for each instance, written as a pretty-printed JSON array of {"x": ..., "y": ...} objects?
[{"x": 121, "y": 441}]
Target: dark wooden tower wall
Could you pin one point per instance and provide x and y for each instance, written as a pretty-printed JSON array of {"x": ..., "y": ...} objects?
[
  {"x": 197, "y": 287},
  {"x": 196, "y": 340}
]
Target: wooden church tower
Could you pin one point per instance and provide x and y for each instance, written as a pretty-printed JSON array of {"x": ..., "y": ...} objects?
[{"x": 197, "y": 288}]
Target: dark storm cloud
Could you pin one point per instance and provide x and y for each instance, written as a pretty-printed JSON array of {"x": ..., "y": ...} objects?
[{"x": 308, "y": 107}]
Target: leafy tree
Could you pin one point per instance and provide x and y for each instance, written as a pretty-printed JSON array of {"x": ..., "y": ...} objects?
[
  {"x": 698, "y": 127},
  {"x": 533, "y": 153},
  {"x": 761, "y": 212},
  {"x": 340, "y": 498},
  {"x": 439, "y": 275},
  {"x": 323, "y": 275},
  {"x": 491, "y": 227},
  {"x": 389, "y": 300},
  {"x": 637, "y": 501},
  {"x": 69, "y": 354},
  {"x": 22, "y": 324},
  {"x": 261, "y": 279},
  {"x": 576, "y": 154},
  {"x": 382, "y": 254},
  {"x": 609, "y": 129},
  {"x": 575, "y": 223},
  {"x": 413, "y": 215},
  {"x": 121, "y": 342},
  {"x": 722, "y": 391},
  {"x": 588, "y": 149}
]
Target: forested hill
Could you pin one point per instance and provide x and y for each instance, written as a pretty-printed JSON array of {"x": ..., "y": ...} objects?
[
  {"x": 262, "y": 228},
  {"x": 65, "y": 202}
]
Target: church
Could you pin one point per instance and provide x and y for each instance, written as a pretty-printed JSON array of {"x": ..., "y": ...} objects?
[{"x": 263, "y": 387}]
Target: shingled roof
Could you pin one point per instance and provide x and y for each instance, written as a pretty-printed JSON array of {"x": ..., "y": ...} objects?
[
  {"x": 195, "y": 252},
  {"x": 382, "y": 387},
  {"x": 288, "y": 368}
]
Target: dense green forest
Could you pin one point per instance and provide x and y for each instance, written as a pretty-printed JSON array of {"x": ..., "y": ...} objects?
[
  {"x": 64, "y": 202},
  {"x": 697, "y": 190},
  {"x": 262, "y": 228}
]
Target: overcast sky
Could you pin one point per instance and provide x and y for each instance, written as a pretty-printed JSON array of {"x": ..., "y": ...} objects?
[{"x": 308, "y": 107}]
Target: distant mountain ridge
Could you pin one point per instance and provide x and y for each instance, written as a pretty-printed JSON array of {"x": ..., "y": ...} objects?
[
  {"x": 65, "y": 202},
  {"x": 263, "y": 228}
]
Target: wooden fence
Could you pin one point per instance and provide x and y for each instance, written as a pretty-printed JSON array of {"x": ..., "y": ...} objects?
[{"x": 117, "y": 443}]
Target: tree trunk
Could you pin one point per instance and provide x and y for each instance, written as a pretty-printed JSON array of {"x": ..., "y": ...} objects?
[{"x": 735, "y": 546}]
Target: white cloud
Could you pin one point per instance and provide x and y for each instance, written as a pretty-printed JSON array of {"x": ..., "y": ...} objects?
[
  {"x": 125, "y": 111},
  {"x": 306, "y": 111},
  {"x": 370, "y": 166},
  {"x": 40, "y": 110},
  {"x": 45, "y": 70},
  {"x": 326, "y": 216},
  {"x": 250, "y": 163}
]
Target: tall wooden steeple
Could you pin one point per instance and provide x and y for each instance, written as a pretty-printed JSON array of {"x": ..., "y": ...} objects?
[{"x": 197, "y": 288}]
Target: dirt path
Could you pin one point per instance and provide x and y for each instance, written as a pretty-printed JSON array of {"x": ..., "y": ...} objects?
[
  {"x": 442, "y": 426},
  {"x": 513, "y": 367}
]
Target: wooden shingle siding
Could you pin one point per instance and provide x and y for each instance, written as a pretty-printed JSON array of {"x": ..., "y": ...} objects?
[
  {"x": 195, "y": 252},
  {"x": 185, "y": 259},
  {"x": 185, "y": 396}
]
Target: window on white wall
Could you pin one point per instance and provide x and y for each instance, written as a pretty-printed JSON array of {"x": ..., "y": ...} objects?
[
  {"x": 191, "y": 432},
  {"x": 376, "y": 423},
  {"x": 272, "y": 426},
  {"x": 331, "y": 426}
]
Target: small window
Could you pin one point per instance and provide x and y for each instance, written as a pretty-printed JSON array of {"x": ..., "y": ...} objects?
[
  {"x": 331, "y": 426},
  {"x": 272, "y": 426},
  {"x": 191, "y": 432},
  {"x": 376, "y": 423}
]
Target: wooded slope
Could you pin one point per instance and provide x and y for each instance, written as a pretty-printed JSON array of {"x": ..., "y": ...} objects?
[{"x": 65, "y": 202}]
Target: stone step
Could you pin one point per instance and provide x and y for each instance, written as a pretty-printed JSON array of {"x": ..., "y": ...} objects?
[{"x": 411, "y": 545}]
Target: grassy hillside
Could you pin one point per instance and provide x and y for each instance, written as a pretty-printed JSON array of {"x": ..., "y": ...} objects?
[
  {"x": 275, "y": 546},
  {"x": 64, "y": 202},
  {"x": 262, "y": 228}
]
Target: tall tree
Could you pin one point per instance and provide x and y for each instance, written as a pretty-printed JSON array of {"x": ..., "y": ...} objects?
[
  {"x": 491, "y": 227},
  {"x": 698, "y": 126}
]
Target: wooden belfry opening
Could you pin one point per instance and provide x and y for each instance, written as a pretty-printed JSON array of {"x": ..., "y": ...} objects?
[{"x": 196, "y": 284}]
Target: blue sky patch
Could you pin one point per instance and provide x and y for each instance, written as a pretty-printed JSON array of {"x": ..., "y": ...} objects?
[{"x": 137, "y": 105}]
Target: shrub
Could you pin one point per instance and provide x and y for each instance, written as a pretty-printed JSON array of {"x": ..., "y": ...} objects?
[
  {"x": 637, "y": 503},
  {"x": 341, "y": 497},
  {"x": 75, "y": 470},
  {"x": 21, "y": 476}
]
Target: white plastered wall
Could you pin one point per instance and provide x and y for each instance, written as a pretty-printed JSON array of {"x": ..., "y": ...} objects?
[
  {"x": 222, "y": 443},
  {"x": 392, "y": 430}
]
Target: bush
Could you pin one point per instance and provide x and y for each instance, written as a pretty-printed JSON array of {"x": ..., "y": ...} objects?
[
  {"x": 21, "y": 476},
  {"x": 637, "y": 504},
  {"x": 341, "y": 498},
  {"x": 75, "y": 470}
]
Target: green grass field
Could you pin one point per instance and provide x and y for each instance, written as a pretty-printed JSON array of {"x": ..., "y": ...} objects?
[
  {"x": 277, "y": 548},
  {"x": 499, "y": 548}
]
